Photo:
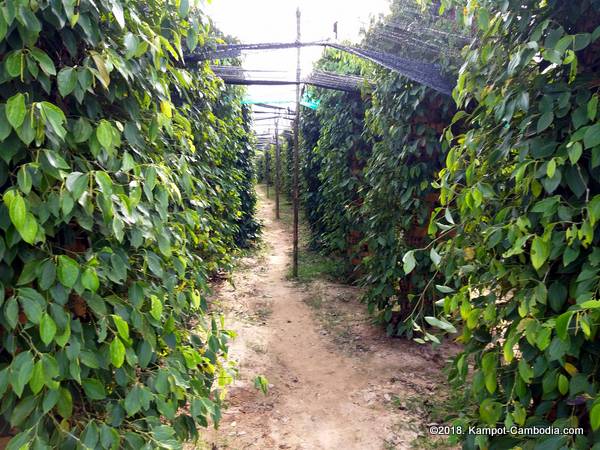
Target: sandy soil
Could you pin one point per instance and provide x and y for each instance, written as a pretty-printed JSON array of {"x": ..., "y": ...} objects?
[{"x": 336, "y": 381}]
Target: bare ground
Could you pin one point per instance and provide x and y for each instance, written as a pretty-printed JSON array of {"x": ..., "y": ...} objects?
[{"x": 336, "y": 381}]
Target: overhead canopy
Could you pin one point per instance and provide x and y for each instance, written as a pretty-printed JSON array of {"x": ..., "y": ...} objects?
[
  {"x": 327, "y": 80},
  {"x": 422, "y": 72}
]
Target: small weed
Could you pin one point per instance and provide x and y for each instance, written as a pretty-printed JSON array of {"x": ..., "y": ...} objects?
[
  {"x": 313, "y": 265},
  {"x": 263, "y": 312},
  {"x": 262, "y": 384},
  {"x": 315, "y": 302},
  {"x": 428, "y": 442},
  {"x": 257, "y": 348},
  {"x": 438, "y": 411}
]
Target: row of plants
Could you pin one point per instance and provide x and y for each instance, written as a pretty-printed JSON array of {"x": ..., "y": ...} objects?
[
  {"x": 521, "y": 199},
  {"x": 508, "y": 190},
  {"x": 126, "y": 182},
  {"x": 405, "y": 125},
  {"x": 368, "y": 161}
]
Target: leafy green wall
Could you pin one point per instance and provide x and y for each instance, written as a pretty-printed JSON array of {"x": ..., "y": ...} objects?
[
  {"x": 125, "y": 181},
  {"x": 522, "y": 197}
]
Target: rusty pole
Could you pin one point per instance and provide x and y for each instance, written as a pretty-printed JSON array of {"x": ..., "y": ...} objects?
[
  {"x": 296, "y": 150},
  {"x": 277, "y": 170}
]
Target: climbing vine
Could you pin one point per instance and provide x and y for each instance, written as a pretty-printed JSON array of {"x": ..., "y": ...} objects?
[
  {"x": 339, "y": 153},
  {"x": 120, "y": 199},
  {"x": 521, "y": 200},
  {"x": 369, "y": 163},
  {"x": 405, "y": 123}
]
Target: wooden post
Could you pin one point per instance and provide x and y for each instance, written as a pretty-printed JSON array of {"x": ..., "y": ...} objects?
[
  {"x": 296, "y": 151},
  {"x": 267, "y": 169},
  {"x": 277, "y": 170}
]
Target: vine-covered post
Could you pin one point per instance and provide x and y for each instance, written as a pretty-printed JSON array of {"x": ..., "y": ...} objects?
[
  {"x": 277, "y": 170},
  {"x": 296, "y": 143}
]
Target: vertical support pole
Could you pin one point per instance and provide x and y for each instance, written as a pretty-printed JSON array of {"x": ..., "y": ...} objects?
[
  {"x": 296, "y": 150},
  {"x": 267, "y": 168},
  {"x": 277, "y": 170}
]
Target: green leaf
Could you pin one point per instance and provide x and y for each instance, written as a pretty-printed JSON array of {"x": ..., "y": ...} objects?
[
  {"x": 82, "y": 130},
  {"x": 525, "y": 371},
  {"x": 131, "y": 42},
  {"x": 89, "y": 279},
  {"x": 3, "y": 27},
  {"x": 592, "y": 107},
  {"x": 132, "y": 401},
  {"x": 540, "y": 251},
  {"x": 94, "y": 389},
  {"x": 545, "y": 121},
  {"x": 444, "y": 289},
  {"x": 16, "y": 110},
  {"x": 18, "y": 212},
  {"x": 409, "y": 262},
  {"x": 591, "y": 137},
  {"x": 590, "y": 304},
  {"x": 546, "y": 205},
  {"x": 488, "y": 365},
  {"x": 26, "y": 131},
  {"x": 47, "y": 328},
  {"x": 575, "y": 152},
  {"x": 164, "y": 245},
  {"x": 117, "y": 352},
  {"x": 184, "y": 8},
  {"x": 594, "y": 209},
  {"x": 441, "y": 324},
  {"x": 22, "y": 410},
  {"x": 551, "y": 168},
  {"x": 29, "y": 272},
  {"x": 122, "y": 326},
  {"x": 30, "y": 22},
  {"x": 595, "y": 416},
  {"x": 156, "y": 307},
  {"x": 490, "y": 411},
  {"x": 261, "y": 383},
  {"x": 21, "y": 440},
  {"x": 50, "y": 400},
  {"x": 33, "y": 310},
  {"x": 543, "y": 338},
  {"x": 562, "y": 324},
  {"x": 103, "y": 74},
  {"x": 68, "y": 271},
  {"x": 21, "y": 370},
  {"x": 29, "y": 231},
  {"x": 104, "y": 181},
  {"x": 44, "y": 61},
  {"x": 24, "y": 180},
  {"x": 5, "y": 127},
  {"x": 37, "y": 378},
  {"x": 117, "y": 10},
  {"x": 54, "y": 116},
  {"x": 483, "y": 19},
  {"x": 64, "y": 405},
  {"x": 104, "y": 134},
  {"x": 563, "y": 384},
  {"x": 435, "y": 257},
  {"x": 55, "y": 160},
  {"x": 67, "y": 81},
  {"x": 11, "y": 312},
  {"x": 76, "y": 184},
  {"x": 14, "y": 63}
]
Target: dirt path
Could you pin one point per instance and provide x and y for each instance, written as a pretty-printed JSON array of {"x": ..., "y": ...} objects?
[{"x": 336, "y": 382}]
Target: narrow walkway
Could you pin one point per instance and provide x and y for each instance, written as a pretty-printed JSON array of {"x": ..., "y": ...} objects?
[{"x": 336, "y": 381}]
